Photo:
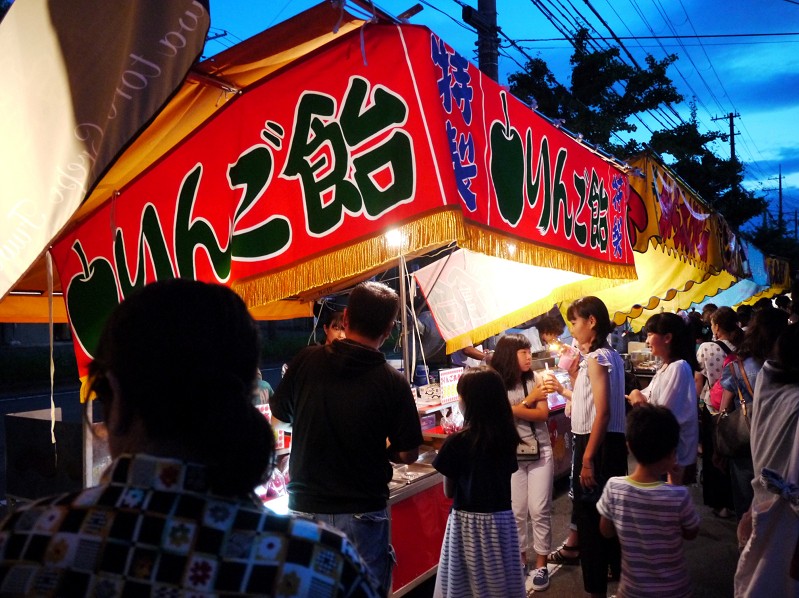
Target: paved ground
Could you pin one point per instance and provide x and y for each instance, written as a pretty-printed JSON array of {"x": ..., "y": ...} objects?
[{"x": 711, "y": 557}]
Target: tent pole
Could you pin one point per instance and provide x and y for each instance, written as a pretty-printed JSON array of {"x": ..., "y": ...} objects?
[
  {"x": 403, "y": 293},
  {"x": 88, "y": 447}
]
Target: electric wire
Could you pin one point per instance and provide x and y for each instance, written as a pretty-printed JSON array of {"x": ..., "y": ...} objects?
[
  {"x": 697, "y": 97},
  {"x": 721, "y": 86},
  {"x": 677, "y": 119},
  {"x": 562, "y": 29}
]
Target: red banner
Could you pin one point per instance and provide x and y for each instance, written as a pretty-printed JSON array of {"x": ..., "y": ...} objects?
[{"x": 335, "y": 150}]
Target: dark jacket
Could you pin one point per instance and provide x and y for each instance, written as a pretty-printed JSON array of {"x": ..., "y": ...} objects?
[{"x": 343, "y": 401}]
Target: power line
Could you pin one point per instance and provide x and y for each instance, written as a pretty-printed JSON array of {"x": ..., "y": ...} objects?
[
  {"x": 640, "y": 37},
  {"x": 695, "y": 95},
  {"x": 677, "y": 118},
  {"x": 562, "y": 25}
]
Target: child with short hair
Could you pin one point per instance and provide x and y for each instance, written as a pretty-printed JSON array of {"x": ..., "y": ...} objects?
[
  {"x": 650, "y": 517},
  {"x": 479, "y": 554}
]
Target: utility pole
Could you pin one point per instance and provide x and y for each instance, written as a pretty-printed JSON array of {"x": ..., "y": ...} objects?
[
  {"x": 780, "y": 212},
  {"x": 730, "y": 116},
  {"x": 485, "y": 21},
  {"x": 780, "y": 221}
]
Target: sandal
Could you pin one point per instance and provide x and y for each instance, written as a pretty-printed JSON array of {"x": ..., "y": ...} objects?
[{"x": 558, "y": 558}]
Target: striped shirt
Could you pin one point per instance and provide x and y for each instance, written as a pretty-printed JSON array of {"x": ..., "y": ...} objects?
[
  {"x": 583, "y": 409},
  {"x": 649, "y": 520}
]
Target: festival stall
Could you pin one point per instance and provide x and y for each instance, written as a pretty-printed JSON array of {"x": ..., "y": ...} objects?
[
  {"x": 769, "y": 276},
  {"x": 683, "y": 251},
  {"x": 690, "y": 255},
  {"x": 208, "y": 89},
  {"x": 286, "y": 169}
]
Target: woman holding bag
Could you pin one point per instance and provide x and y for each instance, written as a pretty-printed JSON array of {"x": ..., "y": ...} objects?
[
  {"x": 531, "y": 484},
  {"x": 716, "y": 487},
  {"x": 769, "y": 563},
  {"x": 759, "y": 339}
]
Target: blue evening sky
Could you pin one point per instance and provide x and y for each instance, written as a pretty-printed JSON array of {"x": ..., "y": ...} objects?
[{"x": 754, "y": 76}]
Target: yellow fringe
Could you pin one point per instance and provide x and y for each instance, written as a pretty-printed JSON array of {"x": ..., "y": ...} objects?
[
  {"x": 332, "y": 268},
  {"x": 635, "y": 312},
  {"x": 496, "y": 244},
  {"x": 657, "y": 242},
  {"x": 434, "y": 229},
  {"x": 84, "y": 390},
  {"x": 768, "y": 294}
]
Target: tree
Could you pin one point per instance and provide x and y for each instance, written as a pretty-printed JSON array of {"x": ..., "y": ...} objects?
[
  {"x": 605, "y": 93},
  {"x": 595, "y": 107},
  {"x": 717, "y": 181},
  {"x": 772, "y": 239}
]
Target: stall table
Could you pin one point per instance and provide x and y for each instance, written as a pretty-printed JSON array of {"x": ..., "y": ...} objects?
[{"x": 418, "y": 512}]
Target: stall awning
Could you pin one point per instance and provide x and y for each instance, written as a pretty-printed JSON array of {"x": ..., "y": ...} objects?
[
  {"x": 473, "y": 296},
  {"x": 65, "y": 116},
  {"x": 663, "y": 277},
  {"x": 380, "y": 144}
]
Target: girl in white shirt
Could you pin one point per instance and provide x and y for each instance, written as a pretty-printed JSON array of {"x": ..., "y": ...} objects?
[
  {"x": 673, "y": 386},
  {"x": 531, "y": 484}
]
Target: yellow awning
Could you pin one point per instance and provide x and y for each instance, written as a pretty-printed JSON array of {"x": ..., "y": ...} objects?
[
  {"x": 663, "y": 275},
  {"x": 683, "y": 300}
]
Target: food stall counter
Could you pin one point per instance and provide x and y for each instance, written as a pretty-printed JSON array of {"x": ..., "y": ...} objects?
[{"x": 418, "y": 512}]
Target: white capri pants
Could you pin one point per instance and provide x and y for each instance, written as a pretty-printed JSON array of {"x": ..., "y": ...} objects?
[{"x": 531, "y": 493}]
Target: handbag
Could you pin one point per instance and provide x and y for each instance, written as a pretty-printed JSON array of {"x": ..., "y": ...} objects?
[
  {"x": 732, "y": 433},
  {"x": 528, "y": 451}
]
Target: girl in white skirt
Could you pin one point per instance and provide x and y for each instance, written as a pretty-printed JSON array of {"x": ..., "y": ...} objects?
[{"x": 479, "y": 556}]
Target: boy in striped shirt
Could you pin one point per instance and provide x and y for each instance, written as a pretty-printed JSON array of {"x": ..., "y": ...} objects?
[{"x": 650, "y": 517}]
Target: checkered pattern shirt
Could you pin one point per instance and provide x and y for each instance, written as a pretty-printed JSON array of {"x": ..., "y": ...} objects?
[{"x": 152, "y": 528}]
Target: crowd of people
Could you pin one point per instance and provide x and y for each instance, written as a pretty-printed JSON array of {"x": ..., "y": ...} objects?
[
  {"x": 176, "y": 513},
  {"x": 631, "y": 527}
]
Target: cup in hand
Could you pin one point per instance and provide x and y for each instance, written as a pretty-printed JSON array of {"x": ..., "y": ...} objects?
[{"x": 567, "y": 358}]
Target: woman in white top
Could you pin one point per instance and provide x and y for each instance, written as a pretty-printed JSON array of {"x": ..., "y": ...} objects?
[
  {"x": 673, "y": 386},
  {"x": 598, "y": 423}
]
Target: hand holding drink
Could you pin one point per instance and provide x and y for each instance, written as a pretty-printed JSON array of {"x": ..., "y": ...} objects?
[
  {"x": 551, "y": 383},
  {"x": 568, "y": 358}
]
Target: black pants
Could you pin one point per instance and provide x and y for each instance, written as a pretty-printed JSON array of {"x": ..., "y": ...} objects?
[
  {"x": 597, "y": 553},
  {"x": 716, "y": 483}
]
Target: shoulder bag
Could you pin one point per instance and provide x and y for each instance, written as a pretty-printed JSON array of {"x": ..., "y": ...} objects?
[
  {"x": 528, "y": 451},
  {"x": 732, "y": 434}
]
